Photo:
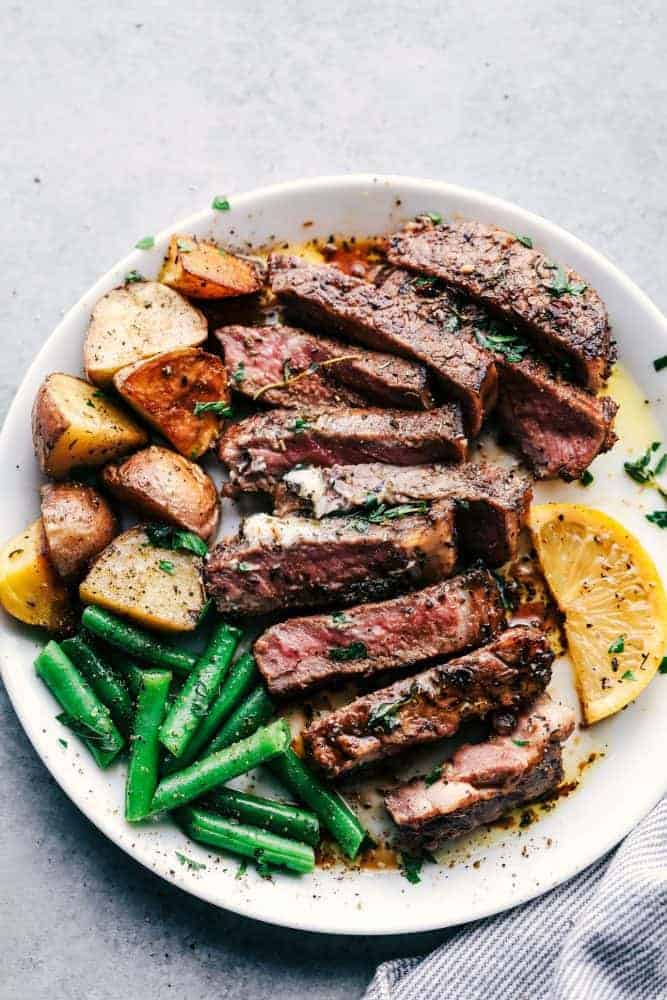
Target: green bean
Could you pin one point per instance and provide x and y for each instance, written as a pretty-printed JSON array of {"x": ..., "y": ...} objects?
[
  {"x": 142, "y": 771},
  {"x": 242, "y": 676},
  {"x": 332, "y": 810},
  {"x": 264, "y": 847},
  {"x": 136, "y": 641},
  {"x": 280, "y": 818},
  {"x": 251, "y": 713},
  {"x": 122, "y": 664},
  {"x": 193, "y": 700},
  {"x": 84, "y": 712},
  {"x": 107, "y": 686},
  {"x": 198, "y": 779}
]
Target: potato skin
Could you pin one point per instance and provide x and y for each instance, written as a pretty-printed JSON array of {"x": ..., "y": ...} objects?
[
  {"x": 203, "y": 270},
  {"x": 137, "y": 321},
  {"x": 165, "y": 389},
  {"x": 78, "y": 524},
  {"x": 164, "y": 485},
  {"x": 30, "y": 588},
  {"x": 155, "y": 587},
  {"x": 73, "y": 425}
]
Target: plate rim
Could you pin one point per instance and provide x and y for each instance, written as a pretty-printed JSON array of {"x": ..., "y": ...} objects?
[{"x": 246, "y": 200}]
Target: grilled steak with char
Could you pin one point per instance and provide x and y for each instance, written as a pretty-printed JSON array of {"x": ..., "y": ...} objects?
[
  {"x": 277, "y": 563},
  {"x": 485, "y": 780},
  {"x": 444, "y": 619},
  {"x": 502, "y": 677},
  {"x": 258, "y": 451},
  {"x": 330, "y": 372},
  {"x": 388, "y": 318},
  {"x": 492, "y": 502},
  {"x": 553, "y": 304}
]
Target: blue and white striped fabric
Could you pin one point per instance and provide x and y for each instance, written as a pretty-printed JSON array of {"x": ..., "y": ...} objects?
[{"x": 601, "y": 936}]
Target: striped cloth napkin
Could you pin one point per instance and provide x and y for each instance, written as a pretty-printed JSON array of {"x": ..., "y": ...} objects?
[{"x": 601, "y": 936}]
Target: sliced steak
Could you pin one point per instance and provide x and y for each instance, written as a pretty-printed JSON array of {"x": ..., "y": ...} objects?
[
  {"x": 387, "y": 317},
  {"x": 505, "y": 675},
  {"x": 485, "y": 780},
  {"x": 492, "y": 502},
  {"x": 559, "y": 428},
  {"x": 301, "y": 368},
  {"x": 551, "y": 303},
  {"x": 441, "y": 620},
  {"x": 278, "y": 563},
  {"x": 258, "y": 451}
]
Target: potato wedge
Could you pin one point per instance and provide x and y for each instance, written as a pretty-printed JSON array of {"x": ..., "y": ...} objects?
[
  {"x": 156, "y": 587},
  {"x": 30, "y": 588},
  {"x": 164, "y": 485},
  {"x": 204, "y": 270},
  {"x": 137, "y": 321},
  {"x": 165, "y": 390},
  {"x": 73, "y": 424},
  {"x": 78, "y": 524}
]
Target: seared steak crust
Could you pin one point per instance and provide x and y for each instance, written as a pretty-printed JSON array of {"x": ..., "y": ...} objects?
[
  {"x": 441, "y": 620},
  {"x": 505, "y": 675},
  {"x": 551, "y": 303},
  {"x": 485, "y": 780},
  {"x": 279, "y": 563},
  {"x": 259, "y": 450},
  {"x": 492, "y": 502},
  {"x": 560, "y": 429},
  {"x": 332, "y": 373},
  {"x": 388, "y": 317}
]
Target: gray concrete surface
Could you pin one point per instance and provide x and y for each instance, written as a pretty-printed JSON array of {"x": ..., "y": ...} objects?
[{"x": 116, "y": 119}]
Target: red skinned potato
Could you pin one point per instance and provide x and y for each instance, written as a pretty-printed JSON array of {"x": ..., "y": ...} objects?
[
  {"x": 168, "y": 391},
  {"x": 204, "y": 270},
  {"x": 165, "y": 486},
  {"x": 78, "y": 524}
]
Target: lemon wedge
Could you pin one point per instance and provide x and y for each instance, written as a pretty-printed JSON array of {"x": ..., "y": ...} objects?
[{"x": 613, "y": 600}]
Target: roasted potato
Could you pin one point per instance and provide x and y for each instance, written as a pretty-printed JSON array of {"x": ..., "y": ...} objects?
[
  {"x": 156, "y": 587},
  {"x": 206, "y": 271},
  {"x": 165, "y": 390},
  {"x": 30, "y": 588},
  {"x": 74, "y": 424},
  {"x": 135, "y": 322},
  {"x": 163, "y": 485},
  {"x": 78, "y": 524}
]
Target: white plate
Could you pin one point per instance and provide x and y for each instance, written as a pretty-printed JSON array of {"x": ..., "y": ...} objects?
[{"x": 513, "y": 867}]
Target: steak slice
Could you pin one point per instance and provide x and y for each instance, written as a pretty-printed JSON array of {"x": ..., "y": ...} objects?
[
  {"x": 387, "y": 317},
  {"x": 278, "y": 563},
  {"x": 505, "y": 675},
  {"x": 443, "y": 619},
  {"x": 485, "y": 780},
  {"x": 329, "y": 372},
  {"x": 551, "y": 303},
  {"x": 492, "y": 502},
  {"x": 559, "y": 428},
  {"x": 259, "y": 450}
]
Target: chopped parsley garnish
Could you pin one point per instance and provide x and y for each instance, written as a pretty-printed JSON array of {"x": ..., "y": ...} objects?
[
  {"x": 520, "y": 743},
  {"x": 433, "y": 775},
  {"x": 355, "y": 651},
  {"x": 221, "y": 408},
  {"x": 503, "y": 341},
  {"x": 167, "y": 567},
  {"x": 300, "y": 425},
  {"x": 618, "y": 645},
  {"x": 560, "y": 285},
  {"x": 163, "y": 536},
  {"x": 340, "y": 618},
  {"x": 221, "y": 203},
  {"x": 383, "y": 513},
  {"x": 586, "y": 478},
  {"x": 660, "y": 363},
  {"x": 241, "y": 870},
  {"x": 641, "y": 471},
  {"x": 133, "y": 276},
  {"x": 102, "y": 741},
  {"x": 435, "y": 217},
  {"x": 146, "y": 243},
  {"x": 662, "y": 669},
  {"x": 245, "y": 567},
  {"x": 239, "y": 373},
  {"x": 658, "y": 517},
  {"x": 184, "y": 246},
  {"x": 195, "y": 866},
  {"x": 383, "y": 715},
  {"x": 505, "y": 598},
  {"x": 426, "y": 281},
  {"x": 526, "y": 241},
  {"x": 63, "y": 743},
  {"x": 628, "y": 676},
  {"x": 411, "y": 867}
]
